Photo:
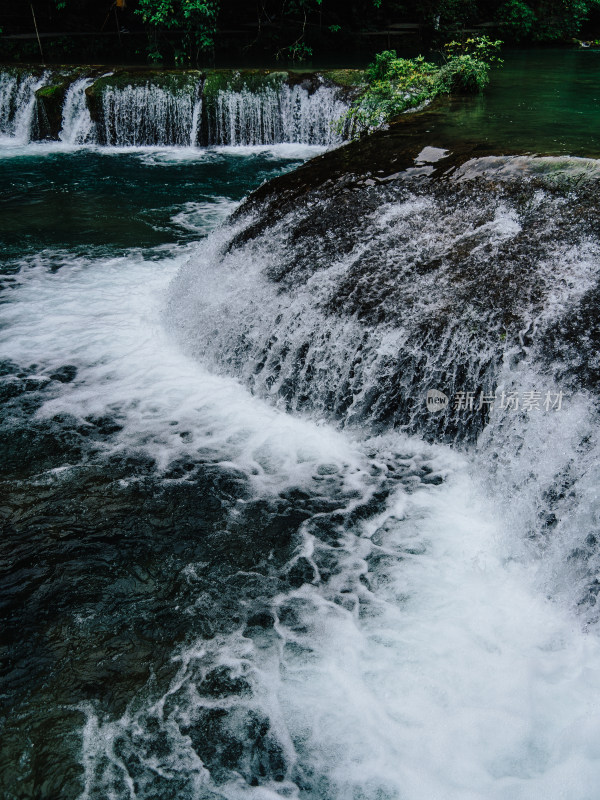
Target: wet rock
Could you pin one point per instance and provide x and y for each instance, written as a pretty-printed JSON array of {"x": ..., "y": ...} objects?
[
  {"x": 65, "y": 374},
  {"x": 220, "y": 682},
  {"x": 301, "y": 571},
  {"x": 456, "y": 267}
]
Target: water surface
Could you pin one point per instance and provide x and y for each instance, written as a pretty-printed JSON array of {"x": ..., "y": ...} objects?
[{"x": 205, "y": 596}]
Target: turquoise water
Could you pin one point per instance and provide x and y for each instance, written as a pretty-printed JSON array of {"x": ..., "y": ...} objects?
[
  {"x": 53, "y": 197},
  {"x": 539, "y": 101}
]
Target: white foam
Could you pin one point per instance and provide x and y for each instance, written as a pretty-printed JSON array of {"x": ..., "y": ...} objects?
[
  {"x": 200, "y": 217},
  {"x": 160, "y": 155},
  {"x": 77, "y": 124},
  {"x": 289, "y": 150},
  {"x": 104, "y": 316},
  {"x": 460, "y": 680},
  {"x": 451, "y": 678},
  {"x": 465, "y": 683}
]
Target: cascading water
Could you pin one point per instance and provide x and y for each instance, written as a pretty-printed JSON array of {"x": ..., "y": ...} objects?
[
  {"x": 171, "y": 111},
  {"x": 77, "y": 124},
  {"x": 147, "y": 114},
  {"x": 455, "y": 284},
  {"x": 213, "y": 597},
  {"x": 274, "y": 115},
  {"x": 358, "y": 323},
  {"x": 414, "y": 638},
  {"x": 17, "y": 104}
]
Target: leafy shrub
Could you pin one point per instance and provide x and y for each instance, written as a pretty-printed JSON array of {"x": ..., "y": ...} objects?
[
  {"x": 560, "y": 19},
  {"x": 396, "y": 84},
  {"x": 467, "y": 68},
  {"x": 393, "y": 85},
  {"x": 195, "y": 19}
]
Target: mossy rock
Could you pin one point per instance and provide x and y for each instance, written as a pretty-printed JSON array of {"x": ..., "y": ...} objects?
[
  {"x": 257, "y": 80},
  {"x": 349, "y": 81},
  {"x": 52, "y": 91},
  {"x": 24, "y": 71},
  {"x": 50, "y": 102},
  {"x": 173, "y": 80},
  {"x": 347, "y": 78},
  {"x": 253, "y": 80}
]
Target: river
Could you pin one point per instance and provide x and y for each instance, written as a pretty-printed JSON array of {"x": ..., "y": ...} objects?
[{"x": 223, "y": 577}]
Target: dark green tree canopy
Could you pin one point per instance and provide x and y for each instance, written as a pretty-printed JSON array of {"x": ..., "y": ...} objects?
[{"x": 193, "y": 31}]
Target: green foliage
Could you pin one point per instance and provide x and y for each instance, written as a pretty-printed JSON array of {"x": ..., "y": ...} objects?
[
  {"x": 462, "y": 74},
  {"x": 467, "y": 65},
  {"x": 516, "y": 19},
  {"x": 153, "y": 53},
  {"x": 196, "y": 19},
  {"x": 456, "y": 13},
  {"x": 50, "y": 91},
  {"x": 395, "y": 85},
  {"x": 177, "y": 13},
  {"x": 479, "y": 47},
  {"x": 542, "y": 20},
  {"x": 560, "y": 19},
  {"x": 184, "y": 32},
  {"x": 296, "y": 52}
]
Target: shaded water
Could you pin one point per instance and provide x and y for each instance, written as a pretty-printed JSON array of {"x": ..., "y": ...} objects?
[
  {"x": 539, "y": 101},
  {"x": 78, "y": 199}
]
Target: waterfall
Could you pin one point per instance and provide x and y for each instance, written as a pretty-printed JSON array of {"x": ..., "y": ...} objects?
[
  {"x": 147, "y": 114},
  {"x": 196, "y": 120},
  {"x": 310, "y": 118},
  {"x": 346, "y": 302},
  {"x": 171, "y": 110},
  {"x": 17, "y": 104},
  {"x": 209, "y": 597},
  {"x": 271, "y": 116},
  {"x": 77, "y": 125},
  {"x": 484, "y": 289}
]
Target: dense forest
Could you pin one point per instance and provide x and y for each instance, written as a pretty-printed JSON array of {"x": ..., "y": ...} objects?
[{"x": 184, "y": 32}]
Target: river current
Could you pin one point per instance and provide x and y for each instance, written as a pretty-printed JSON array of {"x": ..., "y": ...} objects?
[{"x": 210, "y": 594}]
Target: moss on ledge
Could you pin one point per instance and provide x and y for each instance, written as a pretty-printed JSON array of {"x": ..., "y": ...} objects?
[
  {"x": 348, "y": 78},
  {"x": 50, "y": 101},
  {"x": 252, "y": 80}
]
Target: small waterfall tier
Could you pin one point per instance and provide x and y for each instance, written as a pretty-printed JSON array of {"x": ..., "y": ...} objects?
[
  {"x": 77, "y": 125},
  {"x": 137, "y": 111},
  {"x": 271, "y": 109},
  {"x": 176, "y": 108},
  {"x": 18, "y": 120}
]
